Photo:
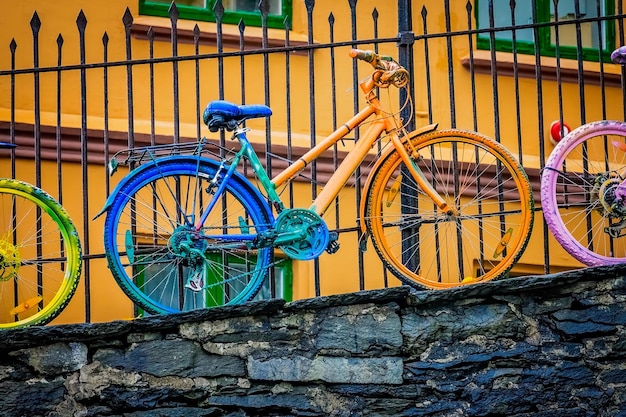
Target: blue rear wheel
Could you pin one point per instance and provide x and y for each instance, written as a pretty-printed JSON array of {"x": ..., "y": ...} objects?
[{"x": 157, "y": 257}]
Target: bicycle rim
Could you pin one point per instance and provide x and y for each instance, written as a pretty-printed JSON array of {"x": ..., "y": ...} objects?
[
  {"x": 144, "y": 228},
  {"x": 581, "y": 168},
  {"x": 40, "y": 256},
  {"x": 478, "y": 177}
]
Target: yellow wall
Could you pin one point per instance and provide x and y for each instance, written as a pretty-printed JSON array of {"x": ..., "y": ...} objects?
[{"x": 338, "y": 271}]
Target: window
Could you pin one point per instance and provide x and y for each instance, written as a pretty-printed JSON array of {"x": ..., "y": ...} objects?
[
  {"x": 166, "y": 284},
  {"x": 593, "y": 35},
  {"x": 234, "y": 11}
]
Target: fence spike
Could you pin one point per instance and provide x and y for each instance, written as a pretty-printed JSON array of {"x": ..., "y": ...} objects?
[
  {"x": 127, "y": 19},
  {"x": 35, "y": 23},
  {"x": 173, "y": 12},
  {"x": 218, "y": 9},
  {"x": 264, "y": 7},
  {"x": 81, "y": 21},
  {"x": 13, "y": 45}
]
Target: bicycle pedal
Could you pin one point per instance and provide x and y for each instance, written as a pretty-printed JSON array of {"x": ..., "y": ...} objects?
[
  {"x": 195, "y": 282},
  {"x": 333, "y": 245}
]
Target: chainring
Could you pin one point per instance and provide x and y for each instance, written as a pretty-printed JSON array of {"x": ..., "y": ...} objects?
[{"x": 310, "y": 226}]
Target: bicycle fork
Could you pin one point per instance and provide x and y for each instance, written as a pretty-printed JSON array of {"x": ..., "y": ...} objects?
[{"x": 418, "y": 176}]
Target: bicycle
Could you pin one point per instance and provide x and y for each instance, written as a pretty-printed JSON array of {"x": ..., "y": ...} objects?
[
  {"x": 583, "y": 190},
  {"x": 40, "y": 255},
  {"x": 443, "y": 207}
]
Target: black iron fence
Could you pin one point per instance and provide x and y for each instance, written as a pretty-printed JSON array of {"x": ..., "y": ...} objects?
[{"x": 505, "y": 72}]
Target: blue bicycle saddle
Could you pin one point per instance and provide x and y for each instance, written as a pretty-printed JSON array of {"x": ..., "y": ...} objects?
[{"x": 222, "y": 114}]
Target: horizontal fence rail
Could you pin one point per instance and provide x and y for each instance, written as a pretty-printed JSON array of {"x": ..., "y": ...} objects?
[{"x": 147, "y": 86}]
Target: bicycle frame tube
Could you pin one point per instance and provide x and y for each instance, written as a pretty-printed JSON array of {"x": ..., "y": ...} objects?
[
  {"x": 246, "y": 151},
  {"x": 294, "y": 169}
]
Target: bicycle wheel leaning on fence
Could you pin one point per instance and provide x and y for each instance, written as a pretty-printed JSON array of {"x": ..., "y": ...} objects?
[
  {"x": 583, "y": 190},
  {"x": 443, "y": 208},
  {"x": 40, "y": 255}
]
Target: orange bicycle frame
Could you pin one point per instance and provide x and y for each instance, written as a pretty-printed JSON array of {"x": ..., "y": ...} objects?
[{"x": 357, "y": 154}]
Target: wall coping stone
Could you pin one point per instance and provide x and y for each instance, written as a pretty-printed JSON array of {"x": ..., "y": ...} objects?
[{"x": 403, "y": 296}]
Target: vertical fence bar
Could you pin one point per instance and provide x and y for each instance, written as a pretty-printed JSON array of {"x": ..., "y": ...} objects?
[
  {"x": 150, "y": 35},
  {"x": 173, "y": 13},
  {"x": 451, "y": 88},
  {"x": 12, "y": 48},
  {"x": 196, "y": 50},
  {"x": 601, "y": 47},
  {"x": 583, "y": 112},
  {"x": 35, "y": 24},
  {"x": 127, "y": 19},
  {"x": 242, "y": 73},
  {"x": 310, "y": 4},
  {"x": 409, "y": 203},
  {"x": 333, "y": 102},
  {"x": 557, "y": 43},
  {"x": 357, "y": 172},
  {"x": 58, "y": 133},
  {"x": 58, "y": 121},
  {"x": 518, "y": 113},
  {"x": 264, "y": 8},
  {"x": 81, "y": 22},
  {"x": 287, "y": 28},
  {"x": 472, "y": 74},
  {"x": 218, "y": 10},
  {"x": 542, "y": 155},
  {"x": 472, "y": 70},
  {"x": 429, "y": 98},
  {"x": 455, "y": 159},
  {"x": 105, "y": 111},
  {"x": 620, "y": 31},
  {"x": 379, "y": 145},
  {"x": 242, "y": 67}
]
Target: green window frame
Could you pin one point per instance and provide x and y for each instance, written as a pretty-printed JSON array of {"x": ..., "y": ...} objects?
[
  {"x": 232, "y": 14},
  {"x": 525, "y": 42}
]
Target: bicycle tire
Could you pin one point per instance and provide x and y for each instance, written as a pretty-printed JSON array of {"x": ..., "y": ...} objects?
[
  {"x": 571, "y": 207},
  {"x": 142, "y": 213},
  {"x": 40, "y": 256},
  {"x": 478, "y": 177}
]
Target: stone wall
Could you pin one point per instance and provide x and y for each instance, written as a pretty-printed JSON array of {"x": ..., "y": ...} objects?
[{"x": 535, "y": 346}]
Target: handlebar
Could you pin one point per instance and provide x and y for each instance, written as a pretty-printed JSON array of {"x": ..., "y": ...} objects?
[
  {"x": 382, "y": 62},
  {"x": 619, "y": 55},
  {"x": 388, "y": 71}
]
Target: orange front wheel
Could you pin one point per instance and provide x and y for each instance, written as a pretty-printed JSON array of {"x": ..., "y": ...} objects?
[{"x": 481, "y": 239}]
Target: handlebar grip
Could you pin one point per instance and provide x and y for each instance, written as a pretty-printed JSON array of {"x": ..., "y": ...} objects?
[
  {"x": 619, "y": 55},
  {"x": 367, "y": 56}
]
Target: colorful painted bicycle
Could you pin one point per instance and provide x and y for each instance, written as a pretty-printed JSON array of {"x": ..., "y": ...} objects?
[
  {"x": 583, "y": 190},
  {"x": 185, "y": 229},
  {"x": 40, "y": 255}
]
